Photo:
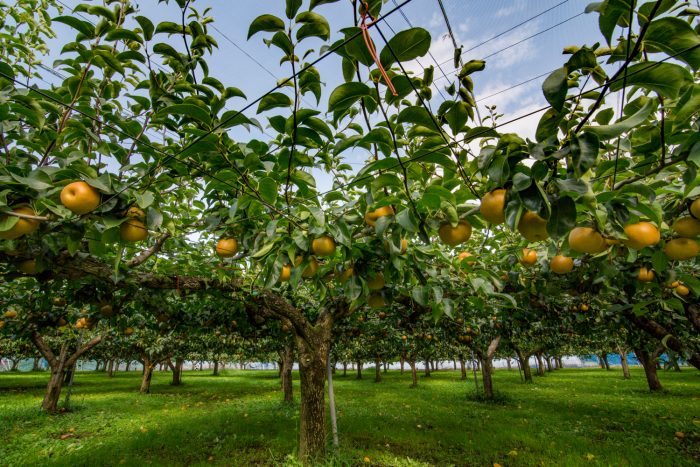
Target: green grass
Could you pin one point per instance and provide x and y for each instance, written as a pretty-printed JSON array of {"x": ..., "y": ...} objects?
[{"x": 569, "y": 417}]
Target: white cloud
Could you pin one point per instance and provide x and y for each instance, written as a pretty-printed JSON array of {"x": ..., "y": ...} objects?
[
  {"x": 516, "y": 7},
  {"x": 504, "y": 97}
]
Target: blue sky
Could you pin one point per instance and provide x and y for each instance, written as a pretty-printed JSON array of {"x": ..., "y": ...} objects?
[{"x": 525, "y": 51}]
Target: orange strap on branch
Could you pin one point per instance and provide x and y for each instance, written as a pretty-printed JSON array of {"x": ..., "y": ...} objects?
[{"x": 364, "y": 26}]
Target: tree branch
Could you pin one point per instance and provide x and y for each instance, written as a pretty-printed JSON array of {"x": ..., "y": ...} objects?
[
  {"x": 147, "y": 253},
  {"x": 43, "y": 348},
  {"x": 74, "y": 358}
]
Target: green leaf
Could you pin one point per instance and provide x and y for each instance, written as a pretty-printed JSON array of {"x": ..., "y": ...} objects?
[
  {"x": 548, "y": 125},
  {"x": 169, "y": 27},
  {"x": 406, "y": 220},
  {"x": 123, "y": 34},
  {"x": 417, "y": 115},
  {"x": 263, "y": 251},
  {"x": 146, "y": 26},
  {"x": 232, "y": 118},
  {"x": 562, "y": 218},
  {"x": 273, "y": 100},
  {"x": 269, "y": 23},
  {"x": 166, "y": 50},
  {"x": 87, "y": 29},
  {"x": 688, "y": 106},
  {"x": 315, "y": 25},
  {"x": 188, "y": 110},
  {"x": 144, "y": 200},
  {"x": 6, "y": 71},
  {"x": 7, "y": 222},
  {"x": 281, "y": 40},
  {"x": 378, "y": 136},
  {"x": 110, "y": 60},
  {"x": 268, "y": 189},
  {"x": 584, "y": 151},
  {"x": 675, "y": 37},
  {"x": 292, "y": 8},
  {"x": 315, "y": 3},
  {"x": 605, "y": 132},
  {"x": 346, "y": 143},
  {"x": 457, "y": 117},
  {"x": 344, "y": 96},
  {"x": 665, "y": 78},
  {"x": 406, "y": 45},
  {"x": 318, "y": 215},
  {"x": 555, "y": 88}
]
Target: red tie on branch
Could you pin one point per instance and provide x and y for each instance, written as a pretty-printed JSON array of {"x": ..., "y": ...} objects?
[{"x": 372, "y": 50}]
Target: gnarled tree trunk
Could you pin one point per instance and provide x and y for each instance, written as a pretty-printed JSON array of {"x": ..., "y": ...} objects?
[
  {"x": 58, "y": 364},
  {"x": 377, "y": 370},
  {"x": 313, "y": 349}
]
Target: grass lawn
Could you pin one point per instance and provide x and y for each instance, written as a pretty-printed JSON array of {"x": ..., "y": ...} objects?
[{"x": 569, "y": 417}]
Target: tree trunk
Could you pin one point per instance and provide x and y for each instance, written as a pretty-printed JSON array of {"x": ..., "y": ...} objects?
[
  {"x": 548, "y": 364},
  {"x": 68, "y": 372},
  {"x": 110, "y": 368},
  {"x": 427, "y": 368},
  {"x": 386, "y": 367},
  {"x": 177, "y": 372},
  {"x": 659, "y": 332},
  {"x": 345, "y": 368},
  {"x": 216, "y": 368},
  {"x": 35, "y": 364},
  {"x": 625, "y": 365},
  {"x": 561, "y": 362},
  {"x": 463, "y": 368},
  {"x": 402, "y": 361},
  {"x": 508, "y": 366},
  {"x": 486, "y": 378},
  {"x": 148, "y": 367},
  {"x": 454, "y": 365},
  {"x": 377, "y": 370},
  {"x": 540, "y": 365},
  {"x": 128, "y": 366},
  {"x": 313, "y": 350},
  {"x": 604, "y": 361},
  {"x": 53, "y": 390},
  {"x": 524, "y": 360},
  {"x": 359, "y": 370},
  {"x": 414, "y": 373},
  {"x": 15, "y": 364},
  {"x": 487, "y": 367},
  {"x": 287, "y": 364},
  {"x": 647, "y": 361}
]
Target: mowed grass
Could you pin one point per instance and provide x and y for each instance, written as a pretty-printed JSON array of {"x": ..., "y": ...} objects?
[{"x": 568, "y": 417}]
